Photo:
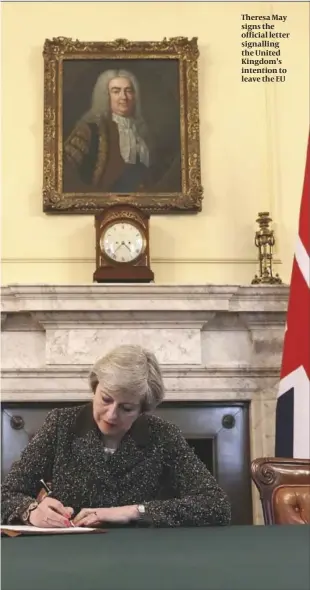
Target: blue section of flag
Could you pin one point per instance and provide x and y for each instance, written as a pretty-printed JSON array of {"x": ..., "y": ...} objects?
[{"x": 285, "y": 424}]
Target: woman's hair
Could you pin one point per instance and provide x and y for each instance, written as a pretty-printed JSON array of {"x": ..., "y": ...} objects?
[{"x": 132, "y": 372}]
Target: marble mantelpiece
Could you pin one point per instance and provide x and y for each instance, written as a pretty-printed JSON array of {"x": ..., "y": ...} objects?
[
  {"x": 94, "y": 297},
  {"x": 214, "y": 342}
]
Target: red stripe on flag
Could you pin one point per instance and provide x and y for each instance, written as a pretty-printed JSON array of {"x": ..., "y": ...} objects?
[
  {"x": 296, "y": 351},
  {"x": 304, "y": 218}
]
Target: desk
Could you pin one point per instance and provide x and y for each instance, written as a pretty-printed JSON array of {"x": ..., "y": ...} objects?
[{"x": 228, "y": 558}]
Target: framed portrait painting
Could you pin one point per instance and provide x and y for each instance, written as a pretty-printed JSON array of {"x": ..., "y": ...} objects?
[{"x": 121, "y": 125}]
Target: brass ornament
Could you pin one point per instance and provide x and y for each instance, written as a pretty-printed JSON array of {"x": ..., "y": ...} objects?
[
  {"x": 265, "y": 241},
  {"x": 127, "y": 215}
]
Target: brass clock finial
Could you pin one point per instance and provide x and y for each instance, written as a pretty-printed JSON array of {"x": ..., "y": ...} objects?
[{"x": 265, "y": 241}]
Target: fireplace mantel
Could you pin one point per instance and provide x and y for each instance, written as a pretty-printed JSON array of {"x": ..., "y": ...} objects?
[
  {"x": 214, "y": 342},
  {"x": 96, "y": 297}
]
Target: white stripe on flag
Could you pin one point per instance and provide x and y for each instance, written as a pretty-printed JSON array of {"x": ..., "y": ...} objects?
[
  {"x": 302, "y": 259},
  {"x": 301, "y": 415},
  {"x": 299, "y": 382}
]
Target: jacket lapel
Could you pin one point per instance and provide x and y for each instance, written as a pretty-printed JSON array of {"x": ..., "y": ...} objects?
[
  {"x": 89, "y": 445},
  {"x": 132, "y": 449}
]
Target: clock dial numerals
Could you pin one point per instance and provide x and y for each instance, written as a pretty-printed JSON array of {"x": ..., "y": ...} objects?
[{"x": 122, "y": 242}]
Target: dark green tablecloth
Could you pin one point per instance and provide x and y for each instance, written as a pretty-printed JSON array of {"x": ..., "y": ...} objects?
[{"x": 228, "y": 558}]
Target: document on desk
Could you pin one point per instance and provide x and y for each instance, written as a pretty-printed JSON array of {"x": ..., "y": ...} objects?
[{"x": 16, "y": 530}]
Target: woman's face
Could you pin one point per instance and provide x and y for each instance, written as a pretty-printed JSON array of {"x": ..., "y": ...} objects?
[{"x": 113, "y": 417}]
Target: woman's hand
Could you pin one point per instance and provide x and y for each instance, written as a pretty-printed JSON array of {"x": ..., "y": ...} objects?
[
  {"x": 51, "y": 513},
  {"x": 94, "y": 516}
]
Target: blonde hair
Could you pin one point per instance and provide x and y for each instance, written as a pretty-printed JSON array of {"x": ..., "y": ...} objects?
[{"x": 130, "y": 371}]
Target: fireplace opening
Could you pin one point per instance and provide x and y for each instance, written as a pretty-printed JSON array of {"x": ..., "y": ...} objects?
[
  {"x": 204, "y": 449},
  {"x": 217, "y": 431}
]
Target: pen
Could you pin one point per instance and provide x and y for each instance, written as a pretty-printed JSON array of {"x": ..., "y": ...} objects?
[
  {"x": 49, "y": 493},
  {"x": 47, "y": 489}
]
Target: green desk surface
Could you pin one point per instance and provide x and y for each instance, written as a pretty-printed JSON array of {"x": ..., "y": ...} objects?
[{"x": 228, "y": 558}]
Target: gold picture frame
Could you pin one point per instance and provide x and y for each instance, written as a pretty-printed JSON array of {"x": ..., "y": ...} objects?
[{"x": 90, "y": 162}]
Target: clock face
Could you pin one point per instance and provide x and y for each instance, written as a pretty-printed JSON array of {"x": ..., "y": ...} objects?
[{"x": 122, "y": 242}]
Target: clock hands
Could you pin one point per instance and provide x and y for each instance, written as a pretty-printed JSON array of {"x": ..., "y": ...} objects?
[
  {"x": 122, "y": 244},
  {"x": 127, "y": 246}
]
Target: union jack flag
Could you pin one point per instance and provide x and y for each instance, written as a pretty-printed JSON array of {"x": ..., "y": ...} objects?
[{"x": 293, "y": 403}]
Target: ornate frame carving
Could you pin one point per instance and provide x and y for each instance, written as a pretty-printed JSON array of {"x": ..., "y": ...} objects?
[{"x": 59, "y": 49}]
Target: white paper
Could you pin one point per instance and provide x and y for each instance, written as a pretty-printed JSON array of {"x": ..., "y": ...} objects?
[{"x": 35, "y": 529}]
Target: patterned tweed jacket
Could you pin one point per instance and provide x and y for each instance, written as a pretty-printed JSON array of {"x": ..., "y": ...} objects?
[{"x": 154, "y": 466}]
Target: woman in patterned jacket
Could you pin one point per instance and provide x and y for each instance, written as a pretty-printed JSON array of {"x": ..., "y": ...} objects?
[{"x": 111, "y": 462}]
